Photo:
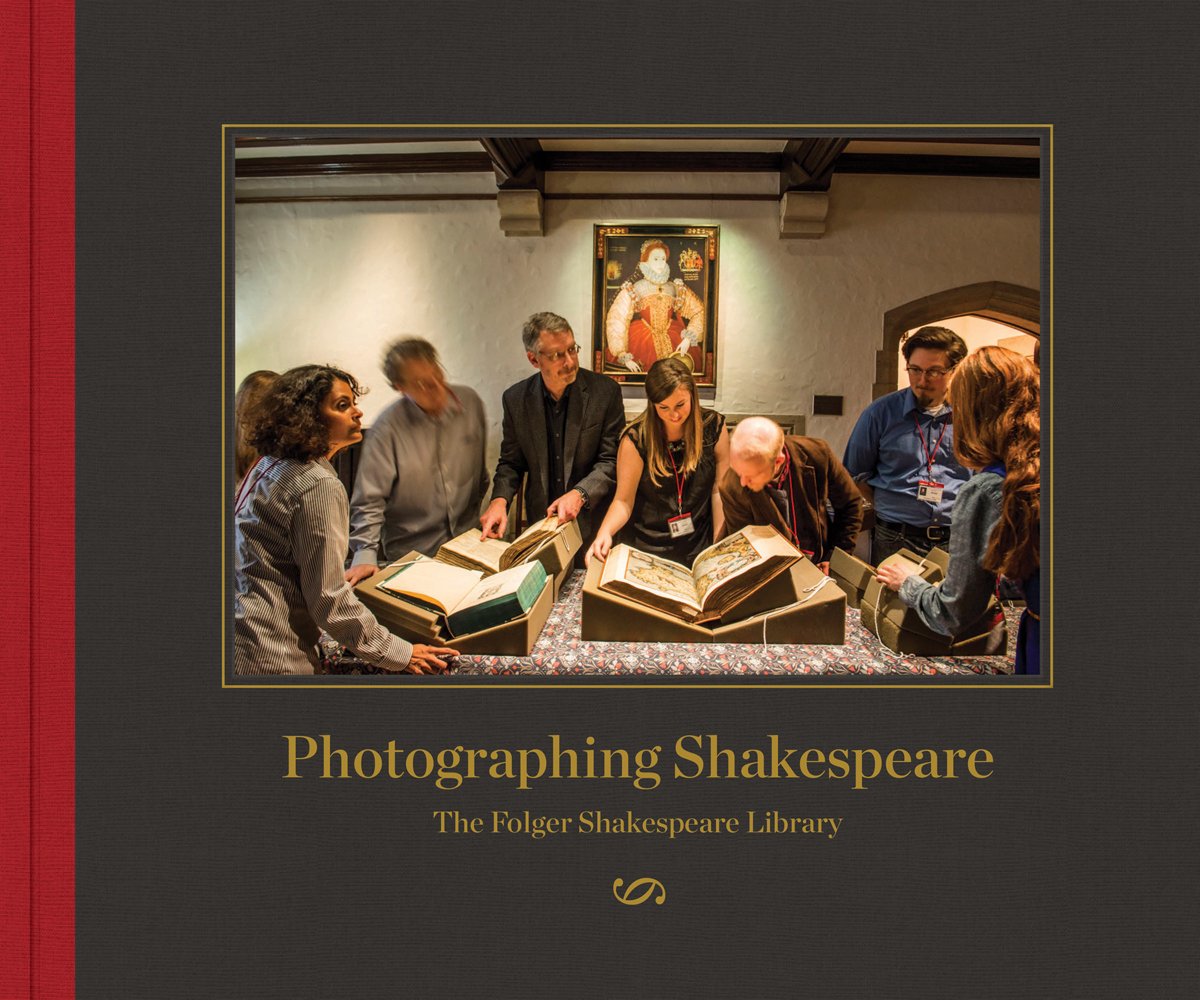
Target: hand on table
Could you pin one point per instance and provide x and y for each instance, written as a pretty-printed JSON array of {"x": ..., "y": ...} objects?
[{"x": 429, "y": 659}]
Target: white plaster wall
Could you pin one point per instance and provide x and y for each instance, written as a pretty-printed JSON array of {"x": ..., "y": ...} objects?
[{"x": 334, "y": 281}]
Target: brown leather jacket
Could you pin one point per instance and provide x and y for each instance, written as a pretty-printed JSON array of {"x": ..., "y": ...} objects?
[{"x": 821, "y": 477}]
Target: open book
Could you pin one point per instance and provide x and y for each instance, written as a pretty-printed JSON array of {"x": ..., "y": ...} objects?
[
  {"x": 723, "y": 575},
  {"x": 472, "y": 551},
  {"x": 465, "y": 599}
]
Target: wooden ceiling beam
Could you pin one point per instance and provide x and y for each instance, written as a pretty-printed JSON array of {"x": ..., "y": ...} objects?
[
  {"x": 956, "y": 166},
  {"x": 808, "y": 164},
  {"x": 517, "y": 162},
  {"x": 660, "y": 161},
  {"x": 361, "y": 163}
]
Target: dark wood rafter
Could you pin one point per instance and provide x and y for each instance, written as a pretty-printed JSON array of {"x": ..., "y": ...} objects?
[
  {"x": 958, "y": 140},
  {"x": 521, "y": 163},
  {"x": 808, "y": 164},
  {"x": 516, "y": 162},
  {"x": 932, "y": 164},
  {"x": 362, "y": 163},
  {"x": 667, "y": 161},
  {"x": 1013, "y": 305},
  {"x": 297, "y": 139}
]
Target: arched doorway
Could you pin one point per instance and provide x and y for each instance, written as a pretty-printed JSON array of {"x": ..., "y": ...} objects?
[{"x": 1012, "y": 305}]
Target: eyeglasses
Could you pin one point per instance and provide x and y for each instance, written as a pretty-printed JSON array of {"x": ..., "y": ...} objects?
[
  {"x": 558, "y": 356},
  {"x": 915, "y": 372}
]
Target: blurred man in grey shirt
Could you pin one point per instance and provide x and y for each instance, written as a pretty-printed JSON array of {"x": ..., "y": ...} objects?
[{"x": 422, "y": 474}]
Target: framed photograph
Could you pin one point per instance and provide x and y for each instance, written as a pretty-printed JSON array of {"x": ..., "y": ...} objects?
[{"x": 654, "y": 293}]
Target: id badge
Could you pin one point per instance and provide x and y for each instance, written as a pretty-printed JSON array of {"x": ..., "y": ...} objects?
[
  {"x": 929, "y": 491},
  {"x": 680, "y": 526}
]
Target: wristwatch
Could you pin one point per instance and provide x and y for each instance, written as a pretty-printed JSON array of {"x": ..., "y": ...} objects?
[{"x": 583, "y": 493}]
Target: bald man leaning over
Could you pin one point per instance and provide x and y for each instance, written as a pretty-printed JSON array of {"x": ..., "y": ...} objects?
[{"x": 790, "y": 482}]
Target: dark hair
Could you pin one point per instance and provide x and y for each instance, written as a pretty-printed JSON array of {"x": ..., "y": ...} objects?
[
  {"x": 249, "y": 395},
  {"x": 995, "y": 397},
  {"x": 401, "y": 352},
  {"x": 287, "y": 422},
  {"x": 936, "y": 338},
  {"x": 664, "y": 377},
  {"x": 542, "y": 322}
]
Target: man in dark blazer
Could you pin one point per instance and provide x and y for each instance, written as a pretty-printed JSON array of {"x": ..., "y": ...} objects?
[
  {"x": 789, "y": 482},
  {"x": 560, "y": 433}
]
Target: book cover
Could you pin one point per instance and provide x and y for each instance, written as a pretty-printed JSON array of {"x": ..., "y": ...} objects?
[
  {"x": 152, "y": 845},
  {"x": 497, "y": 599}
]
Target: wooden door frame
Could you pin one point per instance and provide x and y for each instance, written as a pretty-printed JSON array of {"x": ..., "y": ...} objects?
[{"x": 1013, "y": 305}]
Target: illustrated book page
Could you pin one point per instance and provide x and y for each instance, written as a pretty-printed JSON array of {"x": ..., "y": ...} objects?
[{"x": 723, "y": 575}]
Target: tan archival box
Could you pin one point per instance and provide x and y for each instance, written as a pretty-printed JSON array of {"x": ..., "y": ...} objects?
[
  {"x": 559, "y": 556},
  {"x": 800, "y": 605},
  {"x": 514, "y": 638},
  {"x": 851, "y": 574},
  {"x": 901, "y": 630}
]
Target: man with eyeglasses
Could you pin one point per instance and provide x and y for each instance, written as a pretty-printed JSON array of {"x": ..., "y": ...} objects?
[
  {"x": 423, "y": 471},
  {"x": 901, "y": 452},
  {"x": 560, "y": 433}
]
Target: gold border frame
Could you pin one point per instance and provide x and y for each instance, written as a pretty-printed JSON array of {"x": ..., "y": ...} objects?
[{"x": 412, "y": 683}]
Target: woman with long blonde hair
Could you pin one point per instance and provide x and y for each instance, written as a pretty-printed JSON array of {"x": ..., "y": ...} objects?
[
  {"x": 668, "y": 464},
  {"x": 996, "y": 525}
]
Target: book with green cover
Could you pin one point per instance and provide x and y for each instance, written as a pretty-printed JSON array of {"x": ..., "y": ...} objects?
[
  {"x": 498, "y": 599},
  {"x": 463, "y": 599}
]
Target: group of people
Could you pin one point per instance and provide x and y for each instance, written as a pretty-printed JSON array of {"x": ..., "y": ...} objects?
[{"x": 671, "y": 482}]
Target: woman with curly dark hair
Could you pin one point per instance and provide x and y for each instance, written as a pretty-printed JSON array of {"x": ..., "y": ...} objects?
[
  {"x": 291, "y": 526},
  {"x": 995, "y": 396}
]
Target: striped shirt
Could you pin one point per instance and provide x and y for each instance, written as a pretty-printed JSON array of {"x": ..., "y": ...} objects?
[{"x": 291, "y": 530}]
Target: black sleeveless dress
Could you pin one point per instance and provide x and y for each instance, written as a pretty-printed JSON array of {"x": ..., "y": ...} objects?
[{"x": 654, "y": 504}]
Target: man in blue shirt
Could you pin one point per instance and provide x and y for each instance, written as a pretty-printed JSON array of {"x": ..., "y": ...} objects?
[{"x": 901, "y": 452}]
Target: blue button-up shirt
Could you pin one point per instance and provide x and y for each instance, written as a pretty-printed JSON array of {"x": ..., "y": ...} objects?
[{"x": 885, "y": 449}]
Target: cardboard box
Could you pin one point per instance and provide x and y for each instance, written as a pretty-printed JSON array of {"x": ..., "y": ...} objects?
[
  {"x": 901, "y": 630},
  {"x": 514, "y": 638},
  {"x": 801, "y": 605},
  {"x": 851, "y": 574},
  {"x": 559, "y": 557}
]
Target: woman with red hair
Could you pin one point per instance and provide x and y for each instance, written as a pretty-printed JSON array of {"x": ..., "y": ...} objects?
[{"x": 995, "y": 396}]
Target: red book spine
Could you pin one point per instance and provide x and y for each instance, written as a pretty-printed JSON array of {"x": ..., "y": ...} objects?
[{"x": 37, "y": 474}]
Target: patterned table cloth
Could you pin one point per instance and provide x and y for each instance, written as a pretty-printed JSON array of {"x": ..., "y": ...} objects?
[{"x": 559, "y": 651}]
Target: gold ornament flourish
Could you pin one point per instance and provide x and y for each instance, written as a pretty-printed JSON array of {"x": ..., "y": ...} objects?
[{"x": 647, "y": 887}]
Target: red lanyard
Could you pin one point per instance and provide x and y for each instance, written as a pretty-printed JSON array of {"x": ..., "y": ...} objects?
[
  {"x": 679, "y": 480},
  {"x": 243, "y": 493},
  {"x": 921, "y": 434},
  {"x": 785, "y": 483}
]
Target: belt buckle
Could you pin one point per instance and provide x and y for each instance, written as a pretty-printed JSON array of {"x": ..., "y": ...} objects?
[{"x": 936, "y": 532}]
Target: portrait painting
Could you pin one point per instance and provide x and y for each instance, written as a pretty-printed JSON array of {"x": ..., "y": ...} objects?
[{"x": 654, "y": 296}]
